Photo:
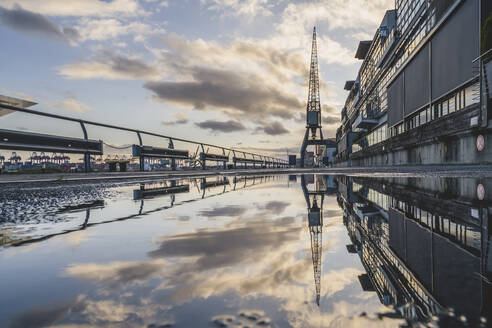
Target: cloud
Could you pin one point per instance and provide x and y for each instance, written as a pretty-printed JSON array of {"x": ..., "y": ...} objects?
[
  {"x": 248, "y": 8},
  {"x": 327, "y": 109},
  {"x": 332, "y": 213},
  {"x": 272, "y": 129},
  {"x": 221, "y": 126},
  {"x": 79, "y": 7},
  {"x": 231, "y": 91},
  {"x": 338, "y": 14},
  {"x": 242, "y": 79},
  {"x": 109, "y": 65},
  {"x": 330, "y": 119},
  {"x": 46, "y": 315},
  {"x": 33, "y": 23},
  {"x": 212, "y": 249},
  {"x": 330, "y": 16},
  {"x": 230, "y": 211},
  {"x": 101, "y": 29},
  {"x": 275, "y": 206},
  {"x": 115, "y": 274},
  {"x": 180, "y": 120},
  {"x": 72, "y": 104}
]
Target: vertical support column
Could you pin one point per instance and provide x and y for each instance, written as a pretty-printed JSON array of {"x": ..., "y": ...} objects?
[
  {"x": 254, "y": 163},
  {"x": 173, "y": 160},
  {"x": 224, "y": 162},
  {"x": 87, "y": 215},
  {"x": 141, "y": 159},
  {"x": 234, "y": 160},
  {"x": 203, "y": 185},
  {"x": 304, "y": 146},
  {"x": 484, "y": 217},
  {"x": 87, "y": 156},
  {"x": 204, "y": 161}
]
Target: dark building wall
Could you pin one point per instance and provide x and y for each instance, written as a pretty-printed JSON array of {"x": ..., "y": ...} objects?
[
  {"x": 417, "y": 85},
  {"x": 457, "y": 282},
  {"x": 452, "y": 50},
  {"x": 447, "y": 270},
  {"x": 441, "y": 6},
  {"x": 454, "y": 47},
  {"x": 486, "y": 27},
  {"x": 396, "y": 98},
  {"x": 397, "y": 236},
  {"x": 419, "y": 252}
]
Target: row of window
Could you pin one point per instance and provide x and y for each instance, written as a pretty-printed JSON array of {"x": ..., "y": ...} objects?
[
  {"x": 369, "y": 72},
  {"x": 406, "y": 11},
  {"x": 411, "y": 281},
  {"x": 458, "y": 101},
  {"x": 383, "y": 283},
  {"x": 424, "y": 25},
  {"x": 461, "y": 233},
  {"x": 465, "y": 235},
  {"x": 374, "y": 137}
]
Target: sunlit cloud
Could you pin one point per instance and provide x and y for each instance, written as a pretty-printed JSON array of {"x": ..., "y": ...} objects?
[
  {"x": 221, "y": 126},
  {"x": 249, "y": 8},
  {"x": 180, "y": 119},
  {"x": 72, "y": 104},
  {"x": 110, "y": 65},
  {"x": 78, "y": 7}
]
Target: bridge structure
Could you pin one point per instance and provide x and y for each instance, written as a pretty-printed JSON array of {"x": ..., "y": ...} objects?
[{"x": 90, "y": 148}]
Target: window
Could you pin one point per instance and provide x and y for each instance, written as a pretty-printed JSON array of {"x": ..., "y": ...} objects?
[
  {"x": 452, "y": 104},
  {"x": 471, "y": 96},
  {"x": 461, "y": 101},
  {"x": 423, "y": 117},
  {"x": 445, "y": 108}
]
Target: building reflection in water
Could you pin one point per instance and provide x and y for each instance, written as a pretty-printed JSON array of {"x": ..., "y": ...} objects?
[{"x": 426, "y": 249}]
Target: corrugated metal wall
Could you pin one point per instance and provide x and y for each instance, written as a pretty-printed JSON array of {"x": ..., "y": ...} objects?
[
  {"x": 454, "y": 47},
  {"x": 417, "y": 84},
  {"x": 395, "y": 101}
]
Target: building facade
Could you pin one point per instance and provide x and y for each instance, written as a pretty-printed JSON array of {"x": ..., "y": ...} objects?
[{"x": 422, "y": 92}]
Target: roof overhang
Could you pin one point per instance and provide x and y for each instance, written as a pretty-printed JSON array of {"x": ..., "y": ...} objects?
[
  {"x": 348, "y": 85},
  {"x": 362, "y": 49},
  {"x": 11, "y": 101}
]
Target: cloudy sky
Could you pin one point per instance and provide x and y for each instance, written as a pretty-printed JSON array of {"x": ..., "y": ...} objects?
[{"x": 231, "y": 72}]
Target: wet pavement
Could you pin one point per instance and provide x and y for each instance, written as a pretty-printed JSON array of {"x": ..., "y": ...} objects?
[
  {"x": 462, "y": 170},
  {"x": 253, "y": 251}
]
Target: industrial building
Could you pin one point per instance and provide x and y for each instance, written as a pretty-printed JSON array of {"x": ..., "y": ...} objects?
[{"x": 422, "y": 94}]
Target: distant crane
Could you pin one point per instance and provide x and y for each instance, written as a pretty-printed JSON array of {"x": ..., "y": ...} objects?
[{"x": 313, "y": 110}]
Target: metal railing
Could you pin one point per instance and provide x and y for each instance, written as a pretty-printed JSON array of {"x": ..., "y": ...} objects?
[{"x": 267, "y": 161}]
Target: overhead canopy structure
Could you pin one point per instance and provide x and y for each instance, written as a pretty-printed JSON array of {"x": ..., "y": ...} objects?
[
  {"x": 11, "y": 101},
  {"x": 362, "y": 49},
  {"x": 348, "y": 85}
]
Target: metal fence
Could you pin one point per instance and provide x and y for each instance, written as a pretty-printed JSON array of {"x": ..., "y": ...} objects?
[{"x": 198, "y": 159}]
